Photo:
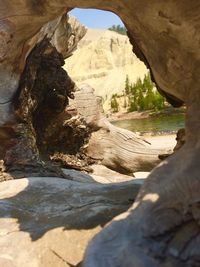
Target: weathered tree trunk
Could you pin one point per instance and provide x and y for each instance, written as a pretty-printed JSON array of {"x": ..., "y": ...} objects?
[
  {"x": 114, "y": 147},
  {"x": 40, "y": 101}
]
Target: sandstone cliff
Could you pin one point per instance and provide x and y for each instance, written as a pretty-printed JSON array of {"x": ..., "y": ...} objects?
[{"x": 103, "y": 59}]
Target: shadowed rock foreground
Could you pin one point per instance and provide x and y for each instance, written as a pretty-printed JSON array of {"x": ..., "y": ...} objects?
[
  {"x": 162, "y": 227},
  {"x": 49, "y": 221}
]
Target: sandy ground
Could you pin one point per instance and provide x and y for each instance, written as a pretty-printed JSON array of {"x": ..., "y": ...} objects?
[
  {"x": 124, "y": 115},
  {"x": 162, "y": 141},
  {"x": 134, "y": 115}
]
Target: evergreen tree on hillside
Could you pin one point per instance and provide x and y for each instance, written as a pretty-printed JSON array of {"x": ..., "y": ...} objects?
[
  {"x": 119, "y": 29},
  {"x": 142, "y": 95},
  {"x": 114, "y": 103},
  {"x": 127, "y": 85}
]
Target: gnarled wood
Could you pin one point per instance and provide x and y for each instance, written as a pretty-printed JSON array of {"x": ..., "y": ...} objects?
[
  {"x": 116, "y": 148},
  {"x": 42, "y": 95}
]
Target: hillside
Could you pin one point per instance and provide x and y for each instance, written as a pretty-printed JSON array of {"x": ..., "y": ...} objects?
[{"x": 103, "y": 59}]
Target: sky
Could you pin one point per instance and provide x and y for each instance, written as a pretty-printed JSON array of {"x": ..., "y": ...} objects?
[{"x": 98, "y": 19}]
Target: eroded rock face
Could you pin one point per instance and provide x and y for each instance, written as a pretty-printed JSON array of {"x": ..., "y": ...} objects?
[{"x": 103, "y": 60}]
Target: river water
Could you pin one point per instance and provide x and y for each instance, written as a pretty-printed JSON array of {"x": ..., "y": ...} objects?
[{"x": 162, "y": 124}]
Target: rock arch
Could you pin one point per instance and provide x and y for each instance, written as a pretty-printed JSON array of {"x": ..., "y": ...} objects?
[
  {"x": 166, "y": 36},
  {"x": 158, "y": 31}
]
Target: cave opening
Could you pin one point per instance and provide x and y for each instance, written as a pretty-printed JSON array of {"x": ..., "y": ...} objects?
[
  {"x": 103, "y": 60},
  {"x": 131, "y": 100}
]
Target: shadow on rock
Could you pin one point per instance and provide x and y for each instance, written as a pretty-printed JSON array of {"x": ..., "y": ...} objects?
[{"x": 42, "y": 204}]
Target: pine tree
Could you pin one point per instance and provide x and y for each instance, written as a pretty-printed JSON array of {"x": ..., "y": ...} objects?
[
  {"x": 143, "y": 96},
  {"x": 127, "y": 85},
  {"x": 114, "y": 104},
  {"x": 119, "y": 29}
]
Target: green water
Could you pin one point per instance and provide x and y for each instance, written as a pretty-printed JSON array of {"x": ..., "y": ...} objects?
[{"x": 159, "y": 124}]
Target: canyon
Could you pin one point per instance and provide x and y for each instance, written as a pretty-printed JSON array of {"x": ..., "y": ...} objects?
[{"x": 103, "y": 60}]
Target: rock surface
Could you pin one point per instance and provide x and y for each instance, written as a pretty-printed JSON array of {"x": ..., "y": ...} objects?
[{"x": 49, "y": 221}]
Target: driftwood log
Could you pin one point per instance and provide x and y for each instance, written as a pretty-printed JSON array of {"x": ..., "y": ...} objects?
[
  {"x": 162, "y": 227},
  {"x": 114, "y": 147}
]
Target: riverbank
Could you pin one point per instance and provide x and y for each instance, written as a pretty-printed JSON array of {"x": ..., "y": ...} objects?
[
  {"x": 136, "y": 115},
  {"x": 164, "y": 123},
  {"x": 119, "y": 116}
]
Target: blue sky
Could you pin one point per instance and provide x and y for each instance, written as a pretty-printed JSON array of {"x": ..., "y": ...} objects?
[{"x": 93, "y": 18}]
